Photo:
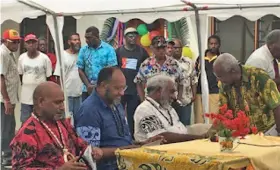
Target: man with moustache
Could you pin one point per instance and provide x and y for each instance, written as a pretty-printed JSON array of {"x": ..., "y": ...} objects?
[
  {"x": 72, "y": 81},
  {"x": 155, "y": 115},
  {"x": 130, "y": 56},
  {"x": 34, "y": 68},
  {"x": 101, "y": 119},
  {"x": 92, "y": 58},
  {"x": 214, "y": 44},
  {"x": 47, "y": 140}
]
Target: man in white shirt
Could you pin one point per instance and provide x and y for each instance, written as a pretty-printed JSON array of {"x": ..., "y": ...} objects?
[
  {"x": 72, "y": 81},
  {"x": 155, "y": 116},
  {"x": 267, "y": 56},
  {"x": 34, "y": 68}
]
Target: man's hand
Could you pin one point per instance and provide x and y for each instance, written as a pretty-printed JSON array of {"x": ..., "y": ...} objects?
[
  {"x": 9, "y": 108},
  {"x": 97, "y": 153},
  {"x": 153, "y": 139},
  {"x": 73, "y": 165},
  {"x": 90, "y": 88}
]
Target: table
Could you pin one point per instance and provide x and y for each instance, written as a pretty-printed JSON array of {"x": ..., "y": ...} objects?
[{"x": 259, "y": 152}]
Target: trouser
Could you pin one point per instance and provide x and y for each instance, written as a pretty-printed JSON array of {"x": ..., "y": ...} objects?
[
  {"x": 213, "y": 107},
  {"x": 130, "y": 102},
  {"x": 84, "y": 96},
  {"x": 25, "y": 112},
  {"x": 8, "y": 126},
  {"x": 184, "y": 113},
  {"x": 74, "y": 104}
]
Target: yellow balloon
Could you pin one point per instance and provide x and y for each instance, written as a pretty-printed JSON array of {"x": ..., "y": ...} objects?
[
  {"x": 145, "y": 40},
  {"x": 187, "y": 52}
]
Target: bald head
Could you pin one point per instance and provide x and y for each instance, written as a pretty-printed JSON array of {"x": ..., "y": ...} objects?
[
  {"x": 48, "y": 100},
  {"x": 226, "y": 62},
  {"x": 45, "y": 90},
  {"x": 177, "y": 48},
  {"x": 226, "y": 68}
]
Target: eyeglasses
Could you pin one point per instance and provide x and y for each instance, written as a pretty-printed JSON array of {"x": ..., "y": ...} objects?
[{"x": 122, "y": 89}]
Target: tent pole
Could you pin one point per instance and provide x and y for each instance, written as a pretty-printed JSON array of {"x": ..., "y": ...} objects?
[{"x": 59, "y": 57}]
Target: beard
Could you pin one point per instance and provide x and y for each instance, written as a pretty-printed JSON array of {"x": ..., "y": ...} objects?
[
  {"x": 110, "y": 98},
  {"x": 75, "y": 47}
]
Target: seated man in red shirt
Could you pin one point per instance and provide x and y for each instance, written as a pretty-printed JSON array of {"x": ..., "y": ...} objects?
[
  {"x": 46, "y": 140},
  {"x": 42, "y": 46}
]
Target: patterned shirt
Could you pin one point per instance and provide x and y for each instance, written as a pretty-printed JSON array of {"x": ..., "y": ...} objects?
[
  {"x": 34, "y": 147},
  {"x": 102, "y": 126},
  {"x": 151, "y": 119},
  {"x": 190, "y": 79},
  {"x": 150, "y": 68},
  {"x": 8, "y": 68},
  {"x": 258, "y": 97},
  {"x": 92, "y": 60}
]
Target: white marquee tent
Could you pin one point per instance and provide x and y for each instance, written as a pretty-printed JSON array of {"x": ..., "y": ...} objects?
[{"x": 146, "y": 10}]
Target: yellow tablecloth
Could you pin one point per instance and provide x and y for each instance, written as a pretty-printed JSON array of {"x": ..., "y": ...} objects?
[{"x": 203, "y": 154}]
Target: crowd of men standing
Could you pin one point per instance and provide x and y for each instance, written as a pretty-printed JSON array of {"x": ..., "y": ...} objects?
[{"x": 114, "y": 95}]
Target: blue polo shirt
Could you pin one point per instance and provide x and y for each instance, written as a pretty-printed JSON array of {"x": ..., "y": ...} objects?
[
  {"x": 92, "y": 60},
  {"x": 96, "y": 123}
]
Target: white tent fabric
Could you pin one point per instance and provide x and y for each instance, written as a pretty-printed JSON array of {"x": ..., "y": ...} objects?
[{"x": 13, "y": 10}]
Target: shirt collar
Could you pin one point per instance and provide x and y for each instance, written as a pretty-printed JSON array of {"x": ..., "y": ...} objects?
[
  {"x": 210, "y": 59},
  {"x": 153, "y": 101},
  {"x": 3, "y": 46},
  {"x": 98, "y": 97}
]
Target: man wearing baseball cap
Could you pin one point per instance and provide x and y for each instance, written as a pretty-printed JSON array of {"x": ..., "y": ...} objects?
[
  {"x": 34, "y": 68},
  {"x": 159, "y": 64},
  {"x": 9, "y": 91},
  {"x": 130, "y": 56}
]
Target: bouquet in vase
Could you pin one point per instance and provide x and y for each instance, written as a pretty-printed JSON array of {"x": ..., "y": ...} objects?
[{"x": 229, "y": 126}]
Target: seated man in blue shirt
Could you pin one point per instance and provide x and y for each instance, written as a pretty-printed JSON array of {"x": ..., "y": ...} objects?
[
  {"x": 92, "y": 58},
  {"x": 101, "y": 119}
]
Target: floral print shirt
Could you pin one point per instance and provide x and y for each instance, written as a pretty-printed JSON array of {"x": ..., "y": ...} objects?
[
  {"x": 258, "y": 97},
  {"x": 190, "y": 79},
  {"x": 150, "y": 68}
]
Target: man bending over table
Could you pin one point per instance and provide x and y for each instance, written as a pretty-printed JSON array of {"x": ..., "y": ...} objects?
[{"x": 251, "y": 90}]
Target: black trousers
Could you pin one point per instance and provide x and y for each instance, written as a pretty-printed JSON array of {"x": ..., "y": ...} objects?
[
  {"x": 130, "y": 102},
  {"x": 8, "y": 127}
]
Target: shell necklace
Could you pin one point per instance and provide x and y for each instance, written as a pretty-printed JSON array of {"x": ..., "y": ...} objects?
[{"x": 66, "y": 154}]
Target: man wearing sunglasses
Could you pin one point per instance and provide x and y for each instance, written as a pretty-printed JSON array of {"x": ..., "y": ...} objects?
[
  {"x": 130, "y": 56},
  {"x": 10, "y": 82}
]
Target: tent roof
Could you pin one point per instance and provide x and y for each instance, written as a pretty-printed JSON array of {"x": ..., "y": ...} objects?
[{"x": 125, "y": 10}]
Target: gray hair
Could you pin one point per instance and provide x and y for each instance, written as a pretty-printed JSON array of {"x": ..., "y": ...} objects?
[
  {"x": 273, "y": 37},
  {"x": 226, "y": 61},
  {"x": 159, "y": 81}
]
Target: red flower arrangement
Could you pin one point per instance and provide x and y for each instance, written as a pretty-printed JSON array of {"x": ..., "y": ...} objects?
[{"x": 228, "y": 125}]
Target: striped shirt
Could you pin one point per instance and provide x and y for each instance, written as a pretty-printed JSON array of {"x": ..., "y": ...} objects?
[{"x": 8, "y": 68}]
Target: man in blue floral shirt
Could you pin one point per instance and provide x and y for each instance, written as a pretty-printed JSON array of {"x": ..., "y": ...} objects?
[
  {"x": 159, "y": 64},
  {"x": 92, "y": 58}
]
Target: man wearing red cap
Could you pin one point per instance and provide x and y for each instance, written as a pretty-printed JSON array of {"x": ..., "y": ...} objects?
[
  {"x": 34, "y": 68},
  {"x": 9, "y": 91}
]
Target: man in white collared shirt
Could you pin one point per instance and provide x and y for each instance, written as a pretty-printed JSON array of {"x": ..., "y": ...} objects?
[
  {"x": 267, "y": 56},
  {"x": 155, "y": 116}
]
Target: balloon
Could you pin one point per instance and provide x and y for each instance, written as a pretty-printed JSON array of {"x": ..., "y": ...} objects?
[
  {"x": 187, "y": 52},
  {"x": 142, "y": 29},
  {"x": 145, "y": 40},
  {"x": 153, "y": 34}
]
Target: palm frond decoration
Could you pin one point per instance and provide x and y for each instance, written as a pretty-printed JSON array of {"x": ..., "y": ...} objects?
[
  {"x": 181, "y": 30},
  {"x": 106, "y": 30}
]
